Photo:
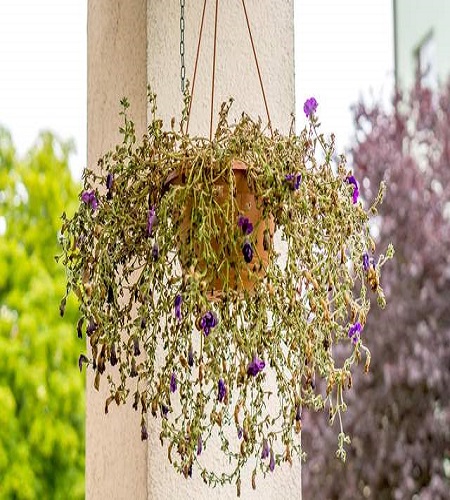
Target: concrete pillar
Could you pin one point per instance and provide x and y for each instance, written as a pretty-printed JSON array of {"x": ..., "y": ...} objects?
[
  {"x": 130, "y": 43},
  {"x": 116, "y": 460},
  {"x": 272, "y": 24}
]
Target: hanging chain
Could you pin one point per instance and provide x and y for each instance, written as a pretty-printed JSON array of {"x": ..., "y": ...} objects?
[{"x": 183, "y": 67}]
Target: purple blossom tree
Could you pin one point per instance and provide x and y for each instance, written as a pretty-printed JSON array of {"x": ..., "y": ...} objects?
[{"x": 399, "y": 413}]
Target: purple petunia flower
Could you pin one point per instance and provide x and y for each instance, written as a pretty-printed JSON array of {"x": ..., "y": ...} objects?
[
  {"x": 209, "y": 320},
  {"x": 310, "y": 106},
  {"x": 255, "y": 366},
  {"x": 155, "y": 252},
  {"x": 354, "y": 332},
  {"x": 152, "y": 221},
  {"x": 113, "y": 356},
  {"x": 222, "y": 390},
  {"x": 272, "y": 461},
  {"x": 109, "y": 181},
  {"x": 247, "y": 252},
  {"x": 89, "y": 198},
  {"x": 137, "y": 350},
  {"x": 351, "y": 180},
  {"x": 265, "y": 449},
  {"x": 199, "y": 445},
  {"x": 239, "y": 432},
  {"x": 190, "y": 357},
  {"x": 86, "y": 197},
  {"x": 366, "y": 262},
  {"x": 173, "y": 382},
  {"x": 293, "y": 180},
  {"x": 245, "y": 224},
  {"x": 91, "y": 328},
  {"x": 178, "y": 301}
]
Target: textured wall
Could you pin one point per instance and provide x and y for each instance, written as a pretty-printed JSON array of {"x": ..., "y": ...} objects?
[
  {"x": 116, "y": 460},
  {"x": 236, "y": 75}
]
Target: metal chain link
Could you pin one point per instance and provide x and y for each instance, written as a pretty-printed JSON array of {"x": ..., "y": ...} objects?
[{"x": 183, "y": 67}]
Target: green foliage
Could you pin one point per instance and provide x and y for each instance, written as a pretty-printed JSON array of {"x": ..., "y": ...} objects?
[{"x": 41, "y": 393}]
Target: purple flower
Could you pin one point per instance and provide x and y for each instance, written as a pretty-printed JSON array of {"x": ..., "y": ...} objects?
[
  {"x": 89, "y": 198},
  {"x": 86, "y": 196},
  {"x": 164, "y": 410},
  {"x": 265, "y": 449},
  {"x": 178, "y": 301},
  {"x": 354, "y": 332},
  {"x": 91, "y": 328},
  {"x": 109, "y": 181},
  {"x": 190, "y": 357},
  {"x": 257, "y": 365},
  {"x": 310, "y": 106},
  {"x": 247, "y": 252},
  {"x": 199, "y": 445},
  {"x": 351, "y": 180},
  {"x": 173, "y": 382},
  {"x": 113, "y": 356},
  {"x": 366, "y": 262},
  {"x": 155, "y": 252},
  {"x": 293, "y": 180},
  {"x": 152, "y": 221},
  {"x": 245, "y": 225},
  {"x": 239, "y": 432},
  {"x": 137, "y": 351},
  {"x": 209, "y": 320},
  {"x": 222, "y": 390},
  {"x": 272, "y": 461}
]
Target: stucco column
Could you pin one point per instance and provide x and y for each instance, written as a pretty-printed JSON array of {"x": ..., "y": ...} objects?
[
  {"x": 132, "y": 43},
  {"x": 272, "y": 24},
  {"x": 116, "y": 459}
]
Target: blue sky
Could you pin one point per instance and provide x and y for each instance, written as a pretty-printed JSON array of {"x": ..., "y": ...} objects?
[{"x": 343, "y": 50}]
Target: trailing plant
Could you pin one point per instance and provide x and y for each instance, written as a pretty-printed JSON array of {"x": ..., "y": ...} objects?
[
  {"x": 399, "y": 415},
  {"x": 217, "y": 334}
]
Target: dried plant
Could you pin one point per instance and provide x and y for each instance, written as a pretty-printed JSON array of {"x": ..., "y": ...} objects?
[{"x": 159, "y": 225}]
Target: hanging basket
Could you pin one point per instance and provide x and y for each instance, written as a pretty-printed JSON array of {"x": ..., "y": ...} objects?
[
  {"x": 230, "y": 325},
  {"x": 176, "y": 258},
  {"x": 233, "y": 241}
]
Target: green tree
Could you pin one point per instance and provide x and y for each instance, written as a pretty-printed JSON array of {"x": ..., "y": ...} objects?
[{"x": 41, "y": 392}]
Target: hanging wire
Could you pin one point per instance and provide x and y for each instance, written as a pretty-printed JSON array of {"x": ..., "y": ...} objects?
[
  {"x": 213, "y": 71},
  {"x": 257, "y": 67},
  {"x": 182, "y": 47},
  {"x": 214, "y": 64}
]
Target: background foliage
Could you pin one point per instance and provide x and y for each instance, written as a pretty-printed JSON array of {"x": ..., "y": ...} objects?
[
  {"x": 41, "y": 394},
  {"x": 399, "y": 414}
]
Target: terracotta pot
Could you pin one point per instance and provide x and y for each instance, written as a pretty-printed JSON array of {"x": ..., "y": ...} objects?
[{"x": 233, "y": 267}]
